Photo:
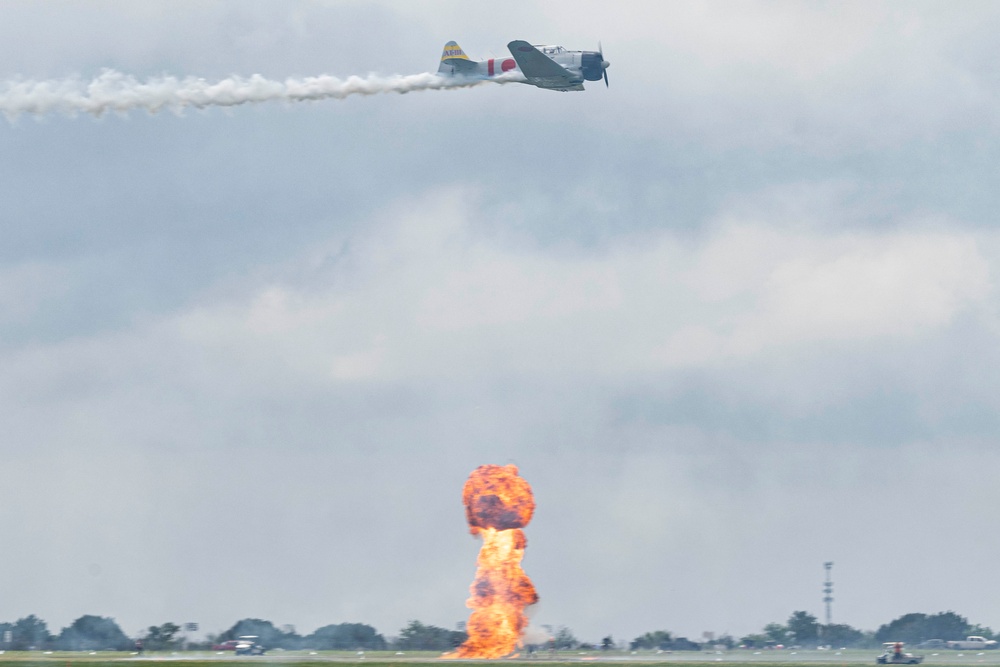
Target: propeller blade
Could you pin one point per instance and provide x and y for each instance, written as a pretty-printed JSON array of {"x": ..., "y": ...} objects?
[{"x": 604, "y": 64}]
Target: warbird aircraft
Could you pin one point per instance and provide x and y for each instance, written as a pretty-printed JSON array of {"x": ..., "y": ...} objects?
[{"x": 549, "y": 67}]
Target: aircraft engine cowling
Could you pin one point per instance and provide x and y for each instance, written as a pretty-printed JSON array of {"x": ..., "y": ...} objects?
[{"x": 592, "y": 64}]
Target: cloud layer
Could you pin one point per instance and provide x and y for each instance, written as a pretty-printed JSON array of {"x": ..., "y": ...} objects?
[{"x": 732, "y": 317}]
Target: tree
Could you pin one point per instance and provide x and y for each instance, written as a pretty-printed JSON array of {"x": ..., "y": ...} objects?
[
  {"x": 346, "y": 636},
  {"x": 28, "y": 633},
  {"x": 981, "y": 631},
  {"x": 914, "y": 628},
  {"x": 161, "y": 638},
  {"x": 267, "y": 634},
  {"x": 949, "y": 625},
  {"x": 607, "y": 643},
  {"x": 842, "y": 636},
  {"x": 657, "y": 639},
  {"x": 684, "y": 644},
  {"x": 803, "y": 627},
  {"x": 419, "y": 637},
  {"x": 564, "y": 639},
  {"x": 93, "y": 633},
  {"x": 777, "y": 633},
  {"x": 754, "y": 641}
]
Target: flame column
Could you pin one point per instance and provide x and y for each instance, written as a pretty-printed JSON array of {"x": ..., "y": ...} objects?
[{"x": 498, "y": 503}]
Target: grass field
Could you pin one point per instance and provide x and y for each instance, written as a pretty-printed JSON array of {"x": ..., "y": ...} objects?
[{"x": 389, "y": 659}]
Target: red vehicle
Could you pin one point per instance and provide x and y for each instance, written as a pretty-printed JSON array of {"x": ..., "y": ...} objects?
[{"x": 245, "y": 645}]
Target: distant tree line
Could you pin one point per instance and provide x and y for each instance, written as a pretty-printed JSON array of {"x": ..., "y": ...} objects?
[
  {"x": 803, "y": 629},
  {"x": 87, "y": 633},
  {"x": 342, "y": 636},
  {"x": 98, "y": 633}
]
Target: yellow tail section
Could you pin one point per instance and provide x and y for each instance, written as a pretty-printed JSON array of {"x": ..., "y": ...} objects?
[{"x": 453, "y": 51}]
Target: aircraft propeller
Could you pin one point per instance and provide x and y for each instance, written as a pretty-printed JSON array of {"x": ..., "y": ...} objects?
[{"x": 604, "y": 65}]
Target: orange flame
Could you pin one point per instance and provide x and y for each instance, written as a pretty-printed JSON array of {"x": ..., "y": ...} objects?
[{"x": 498, "y": 503}]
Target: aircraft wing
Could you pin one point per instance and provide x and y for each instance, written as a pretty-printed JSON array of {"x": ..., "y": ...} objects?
[{"x": 541, "y": 70}]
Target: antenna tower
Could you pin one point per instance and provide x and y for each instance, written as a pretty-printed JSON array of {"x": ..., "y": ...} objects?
[{"x": 828, "y": 591}]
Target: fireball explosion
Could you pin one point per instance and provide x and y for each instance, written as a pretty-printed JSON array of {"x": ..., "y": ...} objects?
[{"x": 498, "y": 503}]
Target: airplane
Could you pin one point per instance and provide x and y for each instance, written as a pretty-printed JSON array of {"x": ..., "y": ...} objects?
[{"x": 548, "y": 67}]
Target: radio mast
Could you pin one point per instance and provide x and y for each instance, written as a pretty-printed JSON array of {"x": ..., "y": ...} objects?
[{"x": 828, "y": 591}]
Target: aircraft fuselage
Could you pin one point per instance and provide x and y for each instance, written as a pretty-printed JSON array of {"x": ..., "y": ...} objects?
[{"x": 574, "y": 67}]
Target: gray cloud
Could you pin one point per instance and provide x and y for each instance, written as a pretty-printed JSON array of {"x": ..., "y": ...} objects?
[{"x": 715, "y": 313}]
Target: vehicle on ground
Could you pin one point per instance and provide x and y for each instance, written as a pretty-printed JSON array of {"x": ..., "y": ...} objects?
[
  {"x": 972, "y": 643},
  {"x": 932, "y": 643},
  {"x": 893, "y": 654},
  {"x": 248, "y": 645},
  {"x": 228, "y": 645}
]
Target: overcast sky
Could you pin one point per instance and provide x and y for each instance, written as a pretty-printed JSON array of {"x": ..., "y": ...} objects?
[{"x": 732, "y": 317}]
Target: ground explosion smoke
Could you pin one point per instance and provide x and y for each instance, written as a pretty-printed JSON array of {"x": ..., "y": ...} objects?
[
  {"x": 498, "y": 503},
  {"x": 114, "y": 91}
]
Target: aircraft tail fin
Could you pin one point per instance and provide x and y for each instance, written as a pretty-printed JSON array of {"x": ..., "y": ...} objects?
[{"x": 454, "y": 60}]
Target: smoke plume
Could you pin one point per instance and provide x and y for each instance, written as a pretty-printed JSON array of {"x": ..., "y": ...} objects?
[{"x": 114, "y": 91}]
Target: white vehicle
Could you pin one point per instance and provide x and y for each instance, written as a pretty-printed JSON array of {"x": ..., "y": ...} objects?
[
  {"x": 892, "y": 654},
  {"x": 972, "y": 643},
  {"x": 548, "y": 67},
  {"x": 248, "y": 645}
]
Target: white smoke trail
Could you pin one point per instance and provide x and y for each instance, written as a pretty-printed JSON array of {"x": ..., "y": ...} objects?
[{"x": 114, "y": 91}]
